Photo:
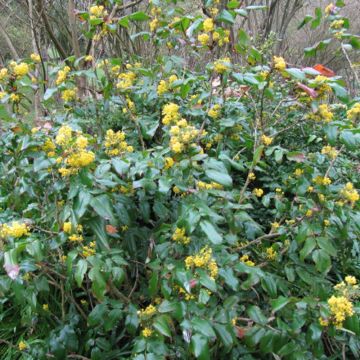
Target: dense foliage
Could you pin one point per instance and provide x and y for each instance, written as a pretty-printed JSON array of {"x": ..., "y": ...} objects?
[{"x": 164, "y": 211}]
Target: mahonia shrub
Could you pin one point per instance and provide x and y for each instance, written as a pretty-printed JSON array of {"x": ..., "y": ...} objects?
[{"x": 206, "y": 212}]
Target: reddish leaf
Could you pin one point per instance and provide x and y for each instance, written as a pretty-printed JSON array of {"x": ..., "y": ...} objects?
[
  {"x": 193, "y": 283},
  {"x": 240, "y": 331},
  {"x": 111, "y": 229},
  {"x": 323, "y": 70},
  {"x": 311, "y": 92},
  {"x": 12, "y": 270}
]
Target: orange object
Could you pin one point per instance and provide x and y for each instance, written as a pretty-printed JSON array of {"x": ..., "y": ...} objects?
[{"x": 323, "y": 70}]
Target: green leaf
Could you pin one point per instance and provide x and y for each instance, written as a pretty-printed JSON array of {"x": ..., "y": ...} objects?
[
  {"x": 199, "y": 347},
  {"x": 306, "y": 20},
  {"x": 279, "y": 303},
  {"x": 340, "y": 91},
  {"x": 257, "y": 155},
  {"x": 296, "y": 73},
  {"x": 81, "y": 268},
  {"x": 49, "y": 93},
  {"x": 103, "y": 207},
  {"x": 322, "y": 261},
  {"x": 161, "y": 324},
  {"x": 120, "y": 166},
  {"x": 226, "y": 16},
  {"x": 256, "y": 314},
  {"x": 139, "y": 16},
  {"x": 221, "y": 178},
  {"x": 309, "y": 246},
  {"x": 210, "y": 232},
  {"x": 204, "y": 327},
  {"x": 229, "y": 278},
  {"x": 98, "y": 285},
  {"x": 81, "y": 203},
  {"x": 225, "y": 334}
]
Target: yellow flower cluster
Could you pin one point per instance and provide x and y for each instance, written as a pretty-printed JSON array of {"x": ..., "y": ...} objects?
[
  {"x": 3, "y": 73},
  {"x": 340, "y": 305},
  {"x": 325, "y": 113},
  {"x": 214, "y": 112},
  {"x": 170, "y": 114},
  {"x": 222, "y": 37},
  {"x": 15, "y": 229},
  {"x": 298, "y": 172},
  {"x": 21, "y": 69},
  {"x": 147, "y": 312},
  {"x": 266, "y": 140},
  {"x": 337, "y": 24},
  {"x": 320, "y": 180},
  {"x": 279, "y": 63},
  {"x": 352, "y": 114},
  {"x": 349, "y": 193},
  {"x": 115, "y": 143},
  {"x": 22, "y": 346},
  {"x": 89, "y": 250},
  {"x": 97, "y": 11},
  {"x": 222, "y": 65},
  {"x": 182, "y": 136},
  {"x": 329, "y": 9},
  {"x": 271, "y": 253},
  {"x": 69, "y": 94},
  {"x": 76, "y": 156},
  {"x": 251, "y": 176},
  {"x": 330, "y": 151},
  {"x": 76, "y": 234},
  {"x": 147, "y": 332},
  {"x": 62, "y": 75},
  {"x": 126, "y": 80},
  {"x": 212, "y": 186},
  {"x": 164, "y": 85},
  {"x": 340, "y": 308},
  {"x": 208, "y": 25},
  {"x": 35, "y": 58},
  {"x": 204, "y": 39},
  {"x": 169, "y": 163},
  {"x": 246, "y": 260},
  {"x": 180, "y": 237},
  {"x": 258, "y": 192},
  {"x": 203, "y": 259}
]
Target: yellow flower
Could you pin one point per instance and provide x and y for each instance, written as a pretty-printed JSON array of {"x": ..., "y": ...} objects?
[
  {"x": 271, "y": 253},
  {"x": 319, "y": 180},
  {"x": 310, "y": 189},
  {"x": 88, "y": 58},
  {"x": 340, "y": 308},
  {"x": 275, "y": 225},
  {"x": 258, "y": 192},
  {"x": 21, "y": 70},
  {"x": 330, "y": 151},
  {"x": 22, "y": 346},
  {"x": 326, "y": 222},
  {"x": 35, "y": 58},
  {"x": 45, "y": 307},
  {"x": 350, "y": 280},
  {"x": 180, "y": 237},
  {"x": 90, "y": 250},
  {"x": 172, "y": 79},
  {"x": 279, "y": 63},
  {"x": 266, "y": 140},
  {"x": 148, "y": 311},
  {"x": 349, "y": 193},
  {"x": 76, "y": 238},
  {"x": 97, "y": 11},
  {"x": 325, "y": 113},
  {"x": 298, "y": 172},
  {"x": 69, "y": 95},
  {"x": 214, "y": 112},
  {"x": 147, "y": 332},
  {"x": 252, "y": 176},
  {"x": 62, "y": 75},
  {"x": 208, "y": 25},
  {"x": 115, "y": 143},
  {"x": 203, "y": 39},
  {"x": 323, "y": 322},
  {"x": 162, "y": 87},
  {"x": 222, "y": 65},
  {"x": 309, "y": 213},
  {"x": 15, "y": 230},
  {"x": 337, "y": 24},
  {"x": 246, "y": 260},
  {"x": 3, "y": 73},
  {"x": 67, "y": 227},
  {"x": 154, "y": 24},
  {"x": 15, "y": 98},
  {"x": 169, "y": 162},
  {"x": 170, "y": 113},
  {"x": 351, "y": 114}
]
